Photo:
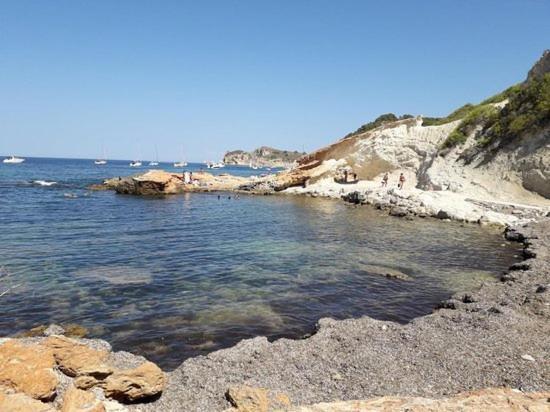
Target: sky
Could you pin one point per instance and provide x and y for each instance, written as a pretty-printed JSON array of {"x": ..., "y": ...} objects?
[{"x": 194, "y": 79}]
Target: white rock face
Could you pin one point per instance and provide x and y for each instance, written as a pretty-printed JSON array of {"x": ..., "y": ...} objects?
[{"x": 453, "y": 182}]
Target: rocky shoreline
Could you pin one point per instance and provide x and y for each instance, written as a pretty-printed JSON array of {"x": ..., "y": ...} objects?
[
  {"x": 496, "y": 336},
  {"x": 409, "y": 203}
]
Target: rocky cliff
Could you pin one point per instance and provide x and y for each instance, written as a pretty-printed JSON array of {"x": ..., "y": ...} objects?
[
  {"x": 262, "y": 157},
  {"x": 497, "y": 150}
]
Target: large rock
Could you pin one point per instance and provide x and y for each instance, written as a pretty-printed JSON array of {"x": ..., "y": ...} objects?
[
  {"x": 487, "y": 400},
  {"x": 28, "y": 369},
  {"x": 145, "y": 381},
  {"x": 19, "y": 402},
  {"x": 76, "y": 359},
  {"x": 76, "y": 400}
]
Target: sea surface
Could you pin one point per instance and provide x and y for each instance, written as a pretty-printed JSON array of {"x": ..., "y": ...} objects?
[{"x": 180, "y": 276}]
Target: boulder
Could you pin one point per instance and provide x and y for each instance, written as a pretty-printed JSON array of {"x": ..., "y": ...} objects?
[
  {"x": 28, "y": 369},
  {"x": 145, "y": 381},
  {"x": 77, "y": 359},
  {"x": 249, "y": 399},
  {"x": 19, "y": 402},
  {"x": 76, "y": 400},
  {"x": 442, "y": 215}
]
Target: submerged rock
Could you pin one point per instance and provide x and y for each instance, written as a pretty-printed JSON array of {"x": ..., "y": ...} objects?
[{"x": 385, "y": 271}]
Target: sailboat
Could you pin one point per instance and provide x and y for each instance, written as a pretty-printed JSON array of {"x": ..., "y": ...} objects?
[
  {"x": 183, "y": 163},
  {"x": 156, "y": 161},
  {"x": 13, "y": 160},
  {"x": 102, "y": 160}
]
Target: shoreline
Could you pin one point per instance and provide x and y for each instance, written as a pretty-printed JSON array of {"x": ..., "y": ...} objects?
[
  {"x": 495, "y": 336},
  {"x": 407, "y": 203}
]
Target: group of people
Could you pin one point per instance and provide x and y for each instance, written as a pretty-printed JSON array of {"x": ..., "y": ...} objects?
[{"x": 399, "y": 184}]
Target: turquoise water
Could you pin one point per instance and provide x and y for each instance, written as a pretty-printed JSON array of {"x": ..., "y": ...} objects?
[{"x": 179, "y": 276}]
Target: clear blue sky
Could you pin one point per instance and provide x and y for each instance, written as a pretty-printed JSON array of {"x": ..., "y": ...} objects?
[{"x": 219, "y": 75}]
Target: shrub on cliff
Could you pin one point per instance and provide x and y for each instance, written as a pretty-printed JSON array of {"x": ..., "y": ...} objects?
[
  {"x": 477, "y": 116},
  {"x": 527, "y": 111},
  {"x": 379, "y": 121}
]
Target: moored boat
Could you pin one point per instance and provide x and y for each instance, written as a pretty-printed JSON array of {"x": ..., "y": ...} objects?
[{"x": 13, "y": 160}]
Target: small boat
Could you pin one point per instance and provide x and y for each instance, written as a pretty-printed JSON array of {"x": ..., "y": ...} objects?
[
  {"x": 156, "y": 161},
  {"x": 135, "y": 163},
  {"x": 213, "y": 165},
  {"x": 102, "y": 160},
  {"x": 183, "y": 163},
  {"x": 13, "y": 160}
]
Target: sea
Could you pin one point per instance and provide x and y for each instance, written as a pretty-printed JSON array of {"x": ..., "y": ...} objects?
[{"x": 179, "y": 276}]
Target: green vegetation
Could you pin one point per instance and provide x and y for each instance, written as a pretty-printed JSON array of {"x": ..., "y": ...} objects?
[
  {"x": 476, "y": 116},
  {"x": 456, "y": 115},
  {"x": 506, "y": 94},
  {"x": 527, "y": 111},
  {"x": 379, "y": 121},
  {"x": 470, "y": 109}
]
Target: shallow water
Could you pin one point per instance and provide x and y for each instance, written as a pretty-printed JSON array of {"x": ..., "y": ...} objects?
[{"x": 174, "y": 277}]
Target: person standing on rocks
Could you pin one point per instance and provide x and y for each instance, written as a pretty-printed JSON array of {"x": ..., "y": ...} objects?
[
  {"x": 401, "y": 181},
  {"x": 385, "y": 180}
]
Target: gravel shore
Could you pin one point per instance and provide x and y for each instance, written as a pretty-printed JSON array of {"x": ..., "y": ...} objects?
[{"x": 496, "y": 336}]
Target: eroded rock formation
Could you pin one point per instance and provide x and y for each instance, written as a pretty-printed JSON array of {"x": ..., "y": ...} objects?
[{"x": 43, "y": 374}]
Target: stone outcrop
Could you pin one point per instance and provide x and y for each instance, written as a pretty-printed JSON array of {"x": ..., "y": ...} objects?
[
  {"x": 28, "y": 369},
  {"x": 159, "y": 183},
  {"x": 19, "y": 402},
  {"x": 153, "y": 182},
  {"x": 75, "y": 359},
  {"x": 134, "y": 384},
  {"x": 262, "y": 157},
  {"x": 76, "y": 400},
  {"x": 42, "y": 373}
]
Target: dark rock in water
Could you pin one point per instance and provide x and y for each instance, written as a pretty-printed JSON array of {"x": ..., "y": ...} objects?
[
  {"x": 508, "y": 277},
  {"x": 447, "y": 304},
  {"x": 520, "y": 266},
  {"x": 380, "y": 205},
  {"x": 398, "y": 211},
  {"x": 442, "y": 215},
  {"x": 468, "y": 298},
  {"x": 356, "y": 198},
  {"x": 513, "y": 235}
]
